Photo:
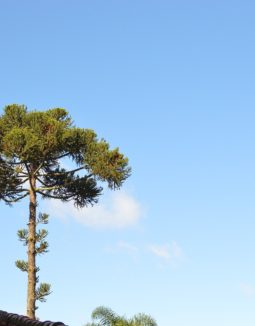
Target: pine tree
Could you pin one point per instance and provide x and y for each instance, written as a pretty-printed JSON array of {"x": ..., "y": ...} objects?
[
  {"x": 32, "y": 146},
  {"x": 44, "y": 289}
]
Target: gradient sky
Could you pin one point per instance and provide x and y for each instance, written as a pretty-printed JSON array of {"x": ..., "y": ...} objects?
[{"x": 172, "y": 84}]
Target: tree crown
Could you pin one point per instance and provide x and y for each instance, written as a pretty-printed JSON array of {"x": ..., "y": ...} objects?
[{"x": 32, "y": 144}]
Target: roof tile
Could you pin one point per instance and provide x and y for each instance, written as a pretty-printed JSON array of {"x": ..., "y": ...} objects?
[{"x": 8, "y": 319}]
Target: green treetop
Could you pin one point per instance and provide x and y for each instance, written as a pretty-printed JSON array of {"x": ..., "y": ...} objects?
[{"x": 103, "y": 316}]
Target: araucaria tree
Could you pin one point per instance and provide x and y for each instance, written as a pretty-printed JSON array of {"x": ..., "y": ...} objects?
[{"x": 32, "y": 146}]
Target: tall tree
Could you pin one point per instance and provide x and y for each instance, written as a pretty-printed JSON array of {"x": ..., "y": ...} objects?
[
  {"x": 32, "y": 146},
  {"x": 103, "y": 316}
]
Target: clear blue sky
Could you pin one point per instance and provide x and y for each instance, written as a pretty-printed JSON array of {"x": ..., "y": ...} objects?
[{"x": 172, "y": 84}]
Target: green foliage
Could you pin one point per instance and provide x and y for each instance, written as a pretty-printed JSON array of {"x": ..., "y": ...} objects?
[
  {"x": 42, "y": 219},
  {"x": 42, "y": 291},
  {"x": 10, "y": 183},
  {"x": 142, "y": 320},
  {"x": 23, "y": 236},
  {"x": 22, "y": 265},
  {"x": 109, "y": 166},
  {"x": 42, "y": 248},
  {"x": 40, "y": 238},
  {"x": 32, "y": 144},
  {"x": 103, "y": 316}
]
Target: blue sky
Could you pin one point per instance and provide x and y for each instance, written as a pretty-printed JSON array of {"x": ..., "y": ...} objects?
[{"x": 172, "y": 84}]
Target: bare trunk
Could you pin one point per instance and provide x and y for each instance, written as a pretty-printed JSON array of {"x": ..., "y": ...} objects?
[{"x": 31, "y": 286}]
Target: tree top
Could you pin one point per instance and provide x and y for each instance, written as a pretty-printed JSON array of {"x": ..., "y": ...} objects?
[{"x": 32, "y": 143}]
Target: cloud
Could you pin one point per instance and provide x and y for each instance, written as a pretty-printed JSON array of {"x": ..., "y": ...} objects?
[
  {"x": 116, "y": 211},
  {"x": 128, "y": 247},
  {"x": 160, "y": 251},
  {"x": 167, "y": 252},
  {"x": 123, "y": 247},
  {"x": 247, "y": 290}
]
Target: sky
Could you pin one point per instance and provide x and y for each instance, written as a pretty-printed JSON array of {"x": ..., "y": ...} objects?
[{"x": 171, "y": 83}]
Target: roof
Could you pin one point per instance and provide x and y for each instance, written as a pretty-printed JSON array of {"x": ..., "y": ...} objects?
[{"x": 7, "y": 319}]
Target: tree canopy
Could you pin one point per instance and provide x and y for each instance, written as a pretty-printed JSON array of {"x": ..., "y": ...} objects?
[{"x": 36, "y": 141}]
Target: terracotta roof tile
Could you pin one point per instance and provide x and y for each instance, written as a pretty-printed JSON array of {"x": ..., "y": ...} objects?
[{"x": 7, "y": 319}]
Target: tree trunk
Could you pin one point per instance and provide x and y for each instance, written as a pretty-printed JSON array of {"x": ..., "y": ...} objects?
[{"x": 31, "y": 286}]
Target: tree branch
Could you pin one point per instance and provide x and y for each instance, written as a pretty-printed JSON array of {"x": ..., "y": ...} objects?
[
  {"x": 54, "y": 197},
  {"x": 48, "y": 188},
  {"x": 16, "y": 199},
  {"x": 39, "y": 167},
  {"x": 43, "y": 183},
  {"x": 66, "y": 172},
  {"x": 23, "y": 181},
  {"x": 15, "y": 163},
  {"x": 59, "y": 157}
]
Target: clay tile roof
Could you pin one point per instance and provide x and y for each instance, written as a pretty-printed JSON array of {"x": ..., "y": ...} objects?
[{"x": 7, "y": 319}]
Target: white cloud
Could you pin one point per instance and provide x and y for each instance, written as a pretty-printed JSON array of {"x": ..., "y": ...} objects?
[
  {"x": 116, "y": 211},
  {"x": 160, "y": 251},
  {"x": 123, "y": 247},
  {"x": 128, "y": 247},
  {"x": 247, "y": 289},
  {"x": 171, "y": 254},
  {"x": 168, "y": 252}
]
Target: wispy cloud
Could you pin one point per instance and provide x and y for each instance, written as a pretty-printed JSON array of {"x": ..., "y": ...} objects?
[
  {"x": 247, "y": 290},
  {"x": 128, "y": 247},
  {"x": 123, "y": 247},
  {"x": 116, "y": 211},
  {"x": 167, "y": 252},
  {"x": 160, "y": 251}
]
